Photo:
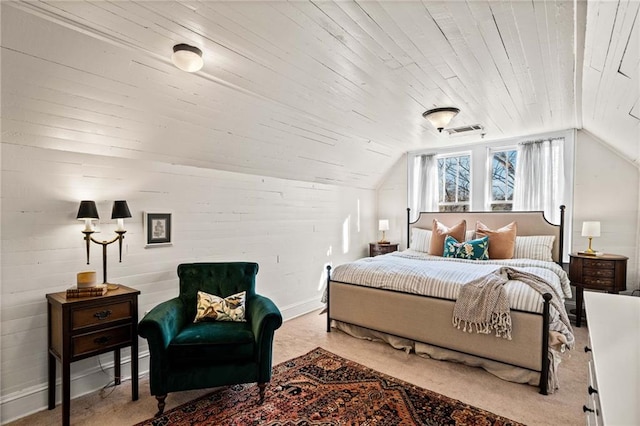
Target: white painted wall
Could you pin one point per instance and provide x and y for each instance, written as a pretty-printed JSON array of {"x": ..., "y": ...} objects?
[
  {"x": 605, "y": 189},
  {"x": 291, "y": 228},
  {"x": 392, "y": 202}
]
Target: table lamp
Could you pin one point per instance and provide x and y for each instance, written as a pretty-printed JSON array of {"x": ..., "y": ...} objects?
[
  {"x": 590, "y": 229},
  {"x": 383, "y": 225}
]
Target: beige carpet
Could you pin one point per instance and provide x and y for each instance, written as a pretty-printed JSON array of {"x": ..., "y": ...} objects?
[{"x": 298, "y": 336}]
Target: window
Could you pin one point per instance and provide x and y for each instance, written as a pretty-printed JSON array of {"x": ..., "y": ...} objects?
[
  {"x": 503, "y": 176},
  {"x": 454, "y": 183}
]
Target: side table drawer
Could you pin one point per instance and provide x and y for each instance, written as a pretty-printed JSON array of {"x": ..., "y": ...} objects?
[
  {"x": 604, "y": 273},
  {"x": 599, "y": 264},
  {"x": 598, "y": 282},
  {"x": 103, "y": 314},
  {"x": 101, "y": 340}
]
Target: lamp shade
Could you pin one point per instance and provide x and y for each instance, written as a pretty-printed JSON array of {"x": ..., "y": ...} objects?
[
  {"x": 383, "y": 225},
  {"x": 87, "y": 210},
  {"x": 440, "y": 117},
  {"x": 590, "y": 229},
  {"x": 187, "y": 58},
  {"x": 120, "y": 210}
]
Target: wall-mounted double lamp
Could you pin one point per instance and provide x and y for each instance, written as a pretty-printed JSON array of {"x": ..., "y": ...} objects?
[{"x": 88, "y": 212}]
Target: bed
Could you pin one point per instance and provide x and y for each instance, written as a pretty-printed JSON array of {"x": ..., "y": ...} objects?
[{"x": 373, "y": 303}]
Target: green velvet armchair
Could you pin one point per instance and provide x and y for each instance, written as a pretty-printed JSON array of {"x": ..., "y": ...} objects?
[{"x": 187, "y": 355}]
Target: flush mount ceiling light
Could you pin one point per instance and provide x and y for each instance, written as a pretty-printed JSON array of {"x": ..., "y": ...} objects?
[
  {"x": 187, "y": 58},
  {"x": 440, "y": 117}
]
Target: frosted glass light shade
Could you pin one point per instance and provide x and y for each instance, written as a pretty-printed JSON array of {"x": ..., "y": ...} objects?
[
  {"x": 440, "y": 117},
  {"x": 187, "y": 58},
  {"x": 590, "y": 229},
  {"x": 383, "y": 225}
]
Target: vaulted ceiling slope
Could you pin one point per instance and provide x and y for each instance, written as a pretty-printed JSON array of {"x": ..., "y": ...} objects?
[{"x": 320, "y": 91}]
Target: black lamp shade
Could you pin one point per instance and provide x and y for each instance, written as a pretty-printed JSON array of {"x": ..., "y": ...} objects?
[
  {"x": 120, "y": 210},
  {"x": 88, "y": 210}
]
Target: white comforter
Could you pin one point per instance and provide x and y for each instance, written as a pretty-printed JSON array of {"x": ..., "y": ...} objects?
[{"x": 416, "y": 272}]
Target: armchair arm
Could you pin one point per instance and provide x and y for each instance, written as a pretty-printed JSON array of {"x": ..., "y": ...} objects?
[
  {"x": 265, "y": 320},
  {"x": 160, "y": 325}
]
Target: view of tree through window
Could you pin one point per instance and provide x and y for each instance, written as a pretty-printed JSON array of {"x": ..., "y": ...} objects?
[
  {"x": 503, "y": 174},
  {"x": 454, "y": 182}
]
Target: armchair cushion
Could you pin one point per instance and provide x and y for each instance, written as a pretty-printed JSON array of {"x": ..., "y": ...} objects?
[{"x": 210, "y": 342}]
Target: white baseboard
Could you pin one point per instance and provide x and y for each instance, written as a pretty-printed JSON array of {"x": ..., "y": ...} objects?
[
  {"x": 301, "y": 308},
  {"x": 35, "y": 398}
]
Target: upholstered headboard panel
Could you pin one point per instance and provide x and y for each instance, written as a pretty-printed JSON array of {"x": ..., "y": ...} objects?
[{"x": 529, "y": 223}]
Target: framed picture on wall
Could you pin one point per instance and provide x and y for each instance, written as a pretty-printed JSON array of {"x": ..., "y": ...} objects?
[{"x": 157, "y": 229}]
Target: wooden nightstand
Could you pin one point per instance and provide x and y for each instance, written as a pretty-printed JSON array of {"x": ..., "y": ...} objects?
[
  {"x": 376, "y": 249},
  {"x": 83, "y": 327},
  {"x": 607, "y": 272}
]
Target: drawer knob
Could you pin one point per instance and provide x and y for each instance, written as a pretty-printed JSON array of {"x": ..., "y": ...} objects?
[
  {"x": 586, "y": 409},
  {"x": 592, "y": 390},
  {"x": 102, "y": 314},
  {"x": 587, "y": 349},
  {"x": 101, "y": 340}
]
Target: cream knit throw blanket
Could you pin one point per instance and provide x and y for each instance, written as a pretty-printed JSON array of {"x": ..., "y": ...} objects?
[{"x": 483, "y": 303}]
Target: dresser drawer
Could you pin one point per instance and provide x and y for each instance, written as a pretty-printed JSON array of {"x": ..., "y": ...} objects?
[
  {"x": 103, "y": 314},
  {"x": 593, "y": 401},
  {"x": 100, "y": 340},
  {"x": 599, "y": 264},
  {"x": 602, "y": 273}
]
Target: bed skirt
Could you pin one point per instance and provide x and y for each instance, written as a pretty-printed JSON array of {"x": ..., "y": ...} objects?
[
  {"x": 419, "y": 320},
  {"x": 503, "y": 371}
]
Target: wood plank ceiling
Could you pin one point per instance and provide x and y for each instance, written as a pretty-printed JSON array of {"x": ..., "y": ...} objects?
[{"x": 319, "y": 91}]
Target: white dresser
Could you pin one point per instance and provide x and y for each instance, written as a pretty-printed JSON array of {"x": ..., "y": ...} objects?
[{"x": 614, "y": 367}]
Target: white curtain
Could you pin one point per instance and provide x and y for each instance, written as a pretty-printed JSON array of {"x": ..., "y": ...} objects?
[
  {"x": 539, "y": 181},
  {"x": 424, "y": 190}
]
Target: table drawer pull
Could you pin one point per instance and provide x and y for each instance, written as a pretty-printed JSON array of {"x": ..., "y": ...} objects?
[
  {"x": 105, "y": 339},
  {"x": 103, "y": 314},
  {"x": 587, "y": 409},
  {"x": 587, "y": 349},
  {"x": 592, "y": 390}
]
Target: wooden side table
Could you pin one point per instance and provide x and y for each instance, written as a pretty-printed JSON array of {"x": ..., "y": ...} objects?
[
  {"x": 607, "y": 272},
  {"x": 79, "y": 328},
  {"x": 376, "y": 249}
]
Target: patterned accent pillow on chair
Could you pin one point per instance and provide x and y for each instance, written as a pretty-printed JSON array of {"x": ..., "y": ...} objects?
[
  {"x": 473, "y": 250},
  {"x": 215, "y": 308}
]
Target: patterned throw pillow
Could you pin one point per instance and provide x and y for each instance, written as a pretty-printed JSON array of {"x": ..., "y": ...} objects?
[
  {"x": 537, "y": 247},
  {"x": 215, "y": 308},
  {"x": 472, "y": 250}
]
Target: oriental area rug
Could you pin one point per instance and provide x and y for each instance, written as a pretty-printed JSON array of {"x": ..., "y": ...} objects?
[{"x": 321, "y": 388}]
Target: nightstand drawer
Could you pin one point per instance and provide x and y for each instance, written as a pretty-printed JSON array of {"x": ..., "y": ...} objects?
[
  {"x": 600, "y": 282},
  {"x": 100, "y": 340},
  {"x": 599, "y": 264},
  {"x": 601, "y": 273},
  {"x": 102, "y": 314}
]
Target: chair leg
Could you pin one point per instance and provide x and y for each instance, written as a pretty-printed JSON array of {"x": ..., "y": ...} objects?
[
  {"x": 263, "y": 388},
  {"x": 161, "y": 404}
]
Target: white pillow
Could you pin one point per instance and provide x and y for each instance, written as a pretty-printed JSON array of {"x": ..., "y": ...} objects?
[
  {"x": 470, "y": 235},
  {"x": 420, "y": 239},
  {"x": 536, "y": 247}
]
